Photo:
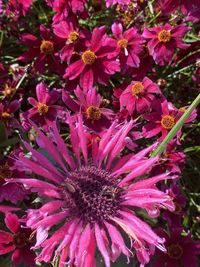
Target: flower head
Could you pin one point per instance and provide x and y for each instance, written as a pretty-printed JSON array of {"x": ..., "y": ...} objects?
[{"x": 91, "y": 195}]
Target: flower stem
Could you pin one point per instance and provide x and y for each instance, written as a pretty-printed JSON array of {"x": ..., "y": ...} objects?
[{"x": 159, "y": 150}]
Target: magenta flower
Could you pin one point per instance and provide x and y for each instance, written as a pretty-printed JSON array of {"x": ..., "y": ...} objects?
[
  {"x": 120, "y": 2},
  {"x": 44, "y": 112},
  {"x": 43, "y": 50},
  {"x": 163, "y": 40},
  {"x": 89, "y": 103},
  {"x": 18, "y": 241},
  {"x": 96, "y": 63},
  {"x": 181, "y": 250},
  {"x": 90, "y": 195},
  {"x": 129, "y": 45},
  {"x": 138, "y": 96}
]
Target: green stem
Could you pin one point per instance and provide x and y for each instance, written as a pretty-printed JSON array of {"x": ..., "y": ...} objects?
[{"x": 159, "y": 150}]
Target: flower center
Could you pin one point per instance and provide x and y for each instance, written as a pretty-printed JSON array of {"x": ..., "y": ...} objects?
[
  {"x": 182, "y": 109},
  {"x": 42, "y": 108},
  {"x": 164, "y": 36},
  {"x": 123, "y": 43},
  {"x": 91, "y": 193},
  {"x": 8, "y": 91},
  {"x": 167, "y": 122},
  {"x": 175, "y": 251},
  {"x": 46, "y": 47},
  {"x": 137, "y": 88},
  {"x": 5, "y": 115},
  {"x": 20, "y": 239},
  {"x": 5, "y": 171},
  {"x": 88, "y": 57},
  {"x": 73, "y": 37},
  {"x": 93, "y": 113}
]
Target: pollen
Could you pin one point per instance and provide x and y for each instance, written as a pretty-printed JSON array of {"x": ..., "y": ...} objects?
[
  {"x": 93, "y": 113},
  {"x": 175, "y": 251},
  {"x": 123, "y": 43},
  {"x": 137, "y": 88},
  {"x": 164, "y": 36},
  {"x": 167, "y": 122},
  {"x": 42, "y": 108},
  {"x": 73, "y": 37},
  {"x": 47, "y": 47},
  {"x": 5, "y": 115},
  {"x": 5, "y": 171},
  {"x": 88, "y": 57},
  {"x": 8, "y": 91},
  {"x": 182, "y": 109}
]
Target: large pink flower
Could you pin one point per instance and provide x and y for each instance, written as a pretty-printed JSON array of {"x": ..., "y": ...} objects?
[
  {"x": 138, "y": 96},
  {"x": 90, "y": 194},
  {"x": 96, "y": 63},
  {"x": 163, "y": 40}
]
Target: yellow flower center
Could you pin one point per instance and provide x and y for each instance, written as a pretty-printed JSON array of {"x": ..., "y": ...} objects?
[
  {"x": 164, "y": 36},
  {"x": 73, "y": 37},
  {"x": 123, "y": 43},
  {"x": 167, "y": 122},
  {"x": 5, "y": 115},
  {"x": 47, "y": 47},
  {"x": 42, "y": 108},
  {"x": 175, "y": 251},
  {"x": 8, "y": 91},
  {"x": 88, "y": 57},
  {"x": 137, "y": 88},
  {"x": 93, "y": 113},
  {"x": 5, "y": 171},
  {"x": 182, "y": 109}
]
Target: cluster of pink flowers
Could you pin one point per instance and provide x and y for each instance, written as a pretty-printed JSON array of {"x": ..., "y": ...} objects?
[{"x": 86, "y": 96}]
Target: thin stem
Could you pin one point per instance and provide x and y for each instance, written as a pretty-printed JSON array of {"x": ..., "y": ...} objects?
[{"x": 159, "y": 150}]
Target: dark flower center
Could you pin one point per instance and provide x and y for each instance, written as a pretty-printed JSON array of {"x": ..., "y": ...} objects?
[
  {"x": 20, "y": 239},
  {"x": 93, "y": 113},
  {"x": 175, "y": 251},
  {"x": 88, "y": 57},
  {"x": 46, "y": 47},
  {"x": 5, "y": 171},
  {"x": 123, "y": 43},
  {"x": 167, "y": 122},
  {"x": 73, "y": 37},
  {"x": 91, "y": 194},
  {"x": 42, "y": 108},
  {"x": 137, "y": 88},
  {"x": 164, "y": 36}
]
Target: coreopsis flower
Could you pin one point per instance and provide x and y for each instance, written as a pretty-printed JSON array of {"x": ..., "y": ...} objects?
[
  {"x": 129, "y": 45},
  {"x": 73, "y": 37},
  {"x": 120, "y": 2},
  {"x": 8, "y": 89},
  {"x": 95, "y": 116},
  {"x": 7, "y": 114},
  {"x": 138, "y": 96},
  {"x": 18, "y": 7},
  {"x": 17, "y": 241},
  {"x": 44, "y": 110},
  {"x": 43, "y": 50},
  {"x": 96, "y": 63},
  {"x": 89, "y": 193},
  {"x": 163, "y": 40},
  {"x": 181, "y": 250}
]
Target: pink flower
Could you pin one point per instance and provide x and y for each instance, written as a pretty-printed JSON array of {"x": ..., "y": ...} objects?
[
  {"x": 89, "y": 103},
  {"x": 163, "y": 40},
  {"x": 91, "y": 194},
  {"x": 18, "y": 241},
  {"x": 18, "y": 7},
  {"x": 95, "y": 65},
  {"x": 138, "y": 96},
  {"x": 181, "y": 250},
  {"x": 44, "y": 112},
  {"x": 120, "y": 2},
  {"x": 43, "y": 50},
  {"x": 129, "y": 45}
]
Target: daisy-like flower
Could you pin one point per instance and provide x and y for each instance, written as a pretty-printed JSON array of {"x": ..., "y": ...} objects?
[
  {"x": 44, "y": 111},
  {"x": 96, "y": 63},
  {"x": 90, "y": 195},
  {"x": 129, "y": 45},
  {"x": 18, "y": 241},
  {"x": 163, "y": 40},
  {"x": 89, "y": 103},
  {"x": 138, "y": 96},
  {"x": 181, "y": 250}
]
